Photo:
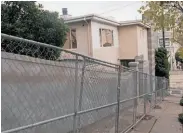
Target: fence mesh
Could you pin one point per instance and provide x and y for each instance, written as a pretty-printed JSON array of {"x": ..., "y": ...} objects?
[{"x": 48, "y": 89}]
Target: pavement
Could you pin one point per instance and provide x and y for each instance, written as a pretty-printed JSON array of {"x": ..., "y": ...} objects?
[{"x": 163, "y": 119}]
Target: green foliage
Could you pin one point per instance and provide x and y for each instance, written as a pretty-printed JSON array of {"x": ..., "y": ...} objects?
[
  {"x": 181, "y": 118},
  {"x": 181, "y": 102},
  {"x": 162, "y": 65},
  {"x": 167, "y": 14},
  {"x": 179, "y": 55},
  {"x": 28, "y": 20}
]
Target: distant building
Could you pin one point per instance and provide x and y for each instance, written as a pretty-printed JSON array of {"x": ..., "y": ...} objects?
[{"x": 169, "y": 45}]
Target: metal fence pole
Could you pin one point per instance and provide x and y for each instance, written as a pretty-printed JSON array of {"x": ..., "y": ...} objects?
[
  {"x": 81, "y": 92},
  {"x": 118, "y": 101},
  {"x": 134, "y": 66},
  {"x": 152, "y": 90},
  {"x": 155, "y": 91},
  {"x": 162, "y": 89},
  {"x": 75, "y": 95},
  {"x": 144, "y": 91},
  {"x": 135, "y": 100}
]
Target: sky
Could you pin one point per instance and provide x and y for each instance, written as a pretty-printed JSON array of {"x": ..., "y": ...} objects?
[{"x": 119, "y": 10}]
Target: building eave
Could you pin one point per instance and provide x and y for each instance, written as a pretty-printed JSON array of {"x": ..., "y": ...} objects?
[
  {"x": 91, "y": 17},
  {"x": 128, "y": 23}
]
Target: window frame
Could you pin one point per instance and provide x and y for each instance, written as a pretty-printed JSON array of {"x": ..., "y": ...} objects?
[
  {"x": 100, "y": 36},
  {"x": 70, "y": 38},
  {"x": 165, "y": 42}
]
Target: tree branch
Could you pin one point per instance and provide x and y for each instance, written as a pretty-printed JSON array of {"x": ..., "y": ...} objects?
[
  {"x": 178, "y": 6},
  {"x": 177, "y": 41}
]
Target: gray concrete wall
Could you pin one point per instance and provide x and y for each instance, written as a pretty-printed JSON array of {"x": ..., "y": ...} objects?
[{"x": 34, "y": 90}]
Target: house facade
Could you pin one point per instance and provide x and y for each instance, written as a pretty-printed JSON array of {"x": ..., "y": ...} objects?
[{"x": 109, "y": 40}]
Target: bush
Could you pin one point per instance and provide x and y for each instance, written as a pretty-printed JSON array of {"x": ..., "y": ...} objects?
[
  {"x": 181, "y": 118},
  {"x": 181, "y": 102},
  {"x": 162, "y": 65}
]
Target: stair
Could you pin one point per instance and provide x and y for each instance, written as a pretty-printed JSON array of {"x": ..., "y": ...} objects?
[{"x": 176, "y": 79}]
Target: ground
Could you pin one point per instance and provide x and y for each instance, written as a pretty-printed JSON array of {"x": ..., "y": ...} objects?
[{"x": 164, "y": 119}]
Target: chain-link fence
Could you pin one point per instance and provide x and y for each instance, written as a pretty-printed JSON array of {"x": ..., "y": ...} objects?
[{"x": 46, "y": 89}]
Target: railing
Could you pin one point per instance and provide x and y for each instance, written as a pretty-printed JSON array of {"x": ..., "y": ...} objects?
[{"x": 49, "y": 89}]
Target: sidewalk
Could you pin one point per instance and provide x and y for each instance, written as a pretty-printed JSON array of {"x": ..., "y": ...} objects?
[{"x": 165, "y": 120}]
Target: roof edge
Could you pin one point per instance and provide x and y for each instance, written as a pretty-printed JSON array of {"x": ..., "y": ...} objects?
[{"x": 106, "y": 20}]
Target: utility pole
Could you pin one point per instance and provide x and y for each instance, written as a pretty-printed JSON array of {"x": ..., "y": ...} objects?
[{"x": 162, "y": 24}]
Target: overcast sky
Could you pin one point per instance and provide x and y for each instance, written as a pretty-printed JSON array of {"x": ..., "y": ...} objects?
[{"x": 120, "y": 10}]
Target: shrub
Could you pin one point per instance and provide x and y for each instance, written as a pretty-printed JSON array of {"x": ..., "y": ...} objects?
[
  {"x": 181, "y": 118},
  {"x": 181, "y": 102},
  {"x": 162, "y": 65}
]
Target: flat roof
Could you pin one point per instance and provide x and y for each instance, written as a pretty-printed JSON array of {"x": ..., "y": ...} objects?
[
  {"x": 134, "y": 22},
  {"x": 105, "y": 19}
]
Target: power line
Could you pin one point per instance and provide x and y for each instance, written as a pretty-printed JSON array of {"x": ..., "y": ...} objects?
[{"x": 119, "y": 7}]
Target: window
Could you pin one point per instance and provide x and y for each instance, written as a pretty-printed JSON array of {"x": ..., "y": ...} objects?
[
  {"x": 125, "y": 62},
  {"x": 106, "y": 37},
  {"x": 73, "y": 38},
  {"x": 167, "y": 42},
  {"x": 71, "y": 41}
]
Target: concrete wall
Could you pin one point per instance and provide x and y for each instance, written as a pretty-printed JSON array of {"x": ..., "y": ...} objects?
[
  {"x": 104, "y": 53},
  {"x": 35, "y": 90},
  {"x": 176, "y": 79},
  {"x": 128, "y": 42}
]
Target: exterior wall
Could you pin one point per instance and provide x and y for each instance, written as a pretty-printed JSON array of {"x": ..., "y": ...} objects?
[
  {"x": 127, "y": 42},
  {"x": 142, "y": 45},
  {"x": 110, "y": 54},
  {"x": 151, "y": 57},
  {"x": 176, "y": 79},
  {"x": 82, "y": 37}
]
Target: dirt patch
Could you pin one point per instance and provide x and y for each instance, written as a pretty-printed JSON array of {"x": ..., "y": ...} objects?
[
  {"x": 157, "y": 107},
  {"x": 147, "y": 117}
]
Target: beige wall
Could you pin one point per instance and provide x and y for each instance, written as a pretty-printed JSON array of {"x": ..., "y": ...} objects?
[
  {"x": 109, "y": 54},
  {"x": 127, "y": 42},
  {"x": 82, "y": 37},
  {"x": 142, "y": 42}
]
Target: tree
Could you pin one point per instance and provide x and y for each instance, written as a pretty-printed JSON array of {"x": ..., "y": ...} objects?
[
  {"x": 28, "y": 20},
  {"x": 162, "y": 66},
  {"x": 179, "y": 55},
  {"x": 167, "y": 14}
]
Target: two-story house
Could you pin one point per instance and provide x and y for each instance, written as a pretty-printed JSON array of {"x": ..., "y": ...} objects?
[{"x": 109, "y": 40}]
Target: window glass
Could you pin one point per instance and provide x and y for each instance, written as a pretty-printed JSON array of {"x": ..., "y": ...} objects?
[{"x": 167, "y": 42}]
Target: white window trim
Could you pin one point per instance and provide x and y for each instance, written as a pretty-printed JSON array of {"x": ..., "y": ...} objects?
[{"x": 100, "y": 36}]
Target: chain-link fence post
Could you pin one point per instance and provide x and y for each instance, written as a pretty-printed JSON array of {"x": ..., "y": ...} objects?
[
  {"x": 145, "y": 91},
  {"x": 134, "y": 66},
  {"x": 163, "y": 88},
  {"x": 118, "y": 100},
  {"x": 75, "y": 95},
  {"x": 155, "y": 92},
  {"x": 152, "y": 91},
  {"x": 81, "y": 92}
]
